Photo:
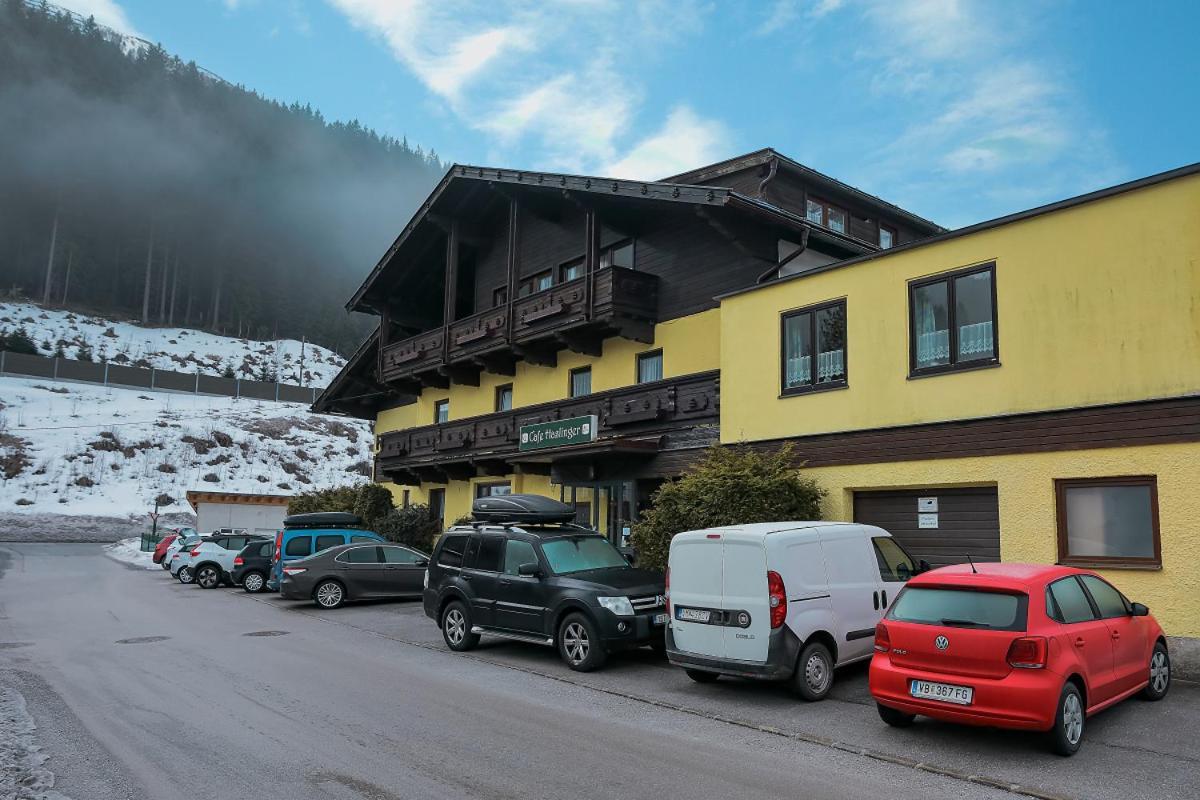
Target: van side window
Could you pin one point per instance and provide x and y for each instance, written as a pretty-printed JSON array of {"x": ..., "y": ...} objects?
[
  {"x": 894, "y": 563},
  {"x": 451, "y": 554},
  {"x": 298, "y": 546},
  {"x": 329, "y": 540},
  {"x": 363, "y": 539}
]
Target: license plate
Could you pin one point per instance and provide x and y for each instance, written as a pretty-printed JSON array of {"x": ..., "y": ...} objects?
[
  {"x": 943, "y": 692},
  {"x": 660, "y": 619},
  {"x": 693, "y": 614}
]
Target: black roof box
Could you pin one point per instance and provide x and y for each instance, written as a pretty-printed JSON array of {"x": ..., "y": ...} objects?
[
  {"x": 323, "y": 519},
  {"x": 521, "y": 508}
]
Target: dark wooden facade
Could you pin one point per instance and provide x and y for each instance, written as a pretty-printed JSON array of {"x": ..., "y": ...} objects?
[{"x": 666, "y": 421}]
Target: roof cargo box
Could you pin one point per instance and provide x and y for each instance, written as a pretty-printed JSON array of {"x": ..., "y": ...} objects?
[
  {"x": 323, "y": 519},
  {"x": 521, "y": 508}
]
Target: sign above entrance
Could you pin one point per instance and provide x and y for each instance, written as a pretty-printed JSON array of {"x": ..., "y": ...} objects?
[{"x": 558, "y": 433}]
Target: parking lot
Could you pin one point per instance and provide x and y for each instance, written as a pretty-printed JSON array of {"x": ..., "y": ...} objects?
[{"x": 144, "y": 687}]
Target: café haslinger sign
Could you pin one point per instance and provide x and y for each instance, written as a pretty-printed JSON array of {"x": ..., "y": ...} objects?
[{"x": 558, "y": 433}]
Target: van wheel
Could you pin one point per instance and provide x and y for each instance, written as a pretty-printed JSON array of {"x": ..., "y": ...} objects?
[
  {"x": 1069, "y": 722},
  {"x": 456, "y": 627},
  {"x": 897, "y": 719},
  {"x": 1160, "y": 674},
  {"x": 208, "y": 577},
  {"x": 253, "y": 582},
  {"x": 700, "y": 676},
  {"x": 579, "y": 644},
  {"x": 813, "y": 677}
]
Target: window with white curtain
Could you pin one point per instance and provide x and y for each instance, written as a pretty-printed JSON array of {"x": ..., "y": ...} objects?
[
  {"x": 952, "y": 320},
  {"x": 814, "y": 348}
]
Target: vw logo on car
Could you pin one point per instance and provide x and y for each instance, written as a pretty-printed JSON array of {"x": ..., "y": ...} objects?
[{"x": 941, "y": 643}]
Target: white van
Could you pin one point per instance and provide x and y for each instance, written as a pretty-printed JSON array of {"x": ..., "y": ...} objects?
[{"x": 780, "y": 600}]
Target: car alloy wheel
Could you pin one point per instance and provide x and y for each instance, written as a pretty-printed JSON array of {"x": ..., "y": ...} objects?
[
  {"x": 1072, "y": 718},
  {"x": 208, "y": 578},
  {"x": 576, "y": 643},
  {"x": 253, "y": 582},
  {"x": 329, "y": 595},
  {"x": 455, "y": 626},
  {"x": 185, "y": 575},
  {"x": 1160, "y": 672}
]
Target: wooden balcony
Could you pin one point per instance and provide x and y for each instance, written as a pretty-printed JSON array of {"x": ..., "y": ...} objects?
[
  {"x": 633, "y": 419},
  {"x": 623, "y": 303}
]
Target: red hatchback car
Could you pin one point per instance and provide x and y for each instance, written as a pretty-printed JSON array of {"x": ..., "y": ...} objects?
[
  {"x": 1025, "y": 646},
  {"x": 160, "y": 549}
]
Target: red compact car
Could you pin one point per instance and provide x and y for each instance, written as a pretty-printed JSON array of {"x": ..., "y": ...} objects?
[
  {"x": 160, "y": 549},
  {"x": 1025, "y": 646}
]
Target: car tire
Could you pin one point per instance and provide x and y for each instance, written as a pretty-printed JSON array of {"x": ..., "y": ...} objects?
[
  {"x": 185, "y": 575},
  {"x": 897, "y": 719},
  {"x": 208, "y": 577},
  {"x": 166, "y": 565},
  {"x": 579, "y": 643},
  {"x": 701, "y": 676},
  {"x": 1069, "y": 721},
  {"x": 456, "y": 627},
  {"x": 813, "y": 677},
  {"x": 1160, "y": 674},
  {"x": 254, "y": 582},
  {"x": 329, "y": 595}
]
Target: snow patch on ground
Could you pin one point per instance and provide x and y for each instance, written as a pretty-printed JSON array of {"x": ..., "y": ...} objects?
[
  {"x": 130, "y": 552},
  {"x": 22, "y": 774},
  {"x": 178, "y": 349},
  {"x": 82, "y": 449}
]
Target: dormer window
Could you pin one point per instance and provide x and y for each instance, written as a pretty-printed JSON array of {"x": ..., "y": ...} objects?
[
  {"x": 887, "y": 237},
  {"x": 823, "y": 213}
]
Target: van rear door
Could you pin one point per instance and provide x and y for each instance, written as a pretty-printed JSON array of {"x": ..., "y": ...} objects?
[
  {"x": 744, "y": 589},
  {"x": 696, "y": 566}
]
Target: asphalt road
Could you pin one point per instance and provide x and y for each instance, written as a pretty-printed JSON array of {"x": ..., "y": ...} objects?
[{"x": 144, "y": 688}]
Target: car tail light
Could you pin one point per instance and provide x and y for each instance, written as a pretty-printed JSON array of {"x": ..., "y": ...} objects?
[
  {"x": 1028, "y": 652},
  {"x": 883, "y": 642},
  {"x": 278, "y": 544},
  {"x": 294, "y": 570},
  {"x": 667, "y": 593},
  {"x": 195, "y": 550},
  {"x": 778, "y": 595},
  {"x": 237, "y": 562}
]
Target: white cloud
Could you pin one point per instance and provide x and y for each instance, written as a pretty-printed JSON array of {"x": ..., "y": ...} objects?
[
  {"x": 106, "y": 12},
  {"x": 684, "y": 142},
  {"x": 566, "y": 78}
]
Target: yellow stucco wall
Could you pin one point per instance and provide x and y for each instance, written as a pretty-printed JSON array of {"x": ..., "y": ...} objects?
[
  {"x": 1095, "y": 304},
  {"x": 1025, "y": 485},
  {"x": 689, "y": 344}
]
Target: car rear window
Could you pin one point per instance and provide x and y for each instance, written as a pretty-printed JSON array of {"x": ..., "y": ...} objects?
[
  {"x": 965, "y": 608},
  {"x": 298, "y": 546},
  {"x": 451, "y": 554}
]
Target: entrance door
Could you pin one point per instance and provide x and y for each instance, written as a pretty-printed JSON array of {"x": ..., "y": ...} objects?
[{"x": 942, "y": 526}]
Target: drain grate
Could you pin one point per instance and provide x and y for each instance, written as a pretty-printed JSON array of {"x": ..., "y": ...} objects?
[
  {"x": 142, "y": 640},
  {"x": 266, "y": 633}
]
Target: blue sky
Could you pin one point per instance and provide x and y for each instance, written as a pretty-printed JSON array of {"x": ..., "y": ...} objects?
[{"x": 960, "y": 111}]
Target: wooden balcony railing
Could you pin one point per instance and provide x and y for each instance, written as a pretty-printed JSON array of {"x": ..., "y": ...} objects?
[
  {"x": 492, "y": 439},
  {"x": 623, "y": 303}
]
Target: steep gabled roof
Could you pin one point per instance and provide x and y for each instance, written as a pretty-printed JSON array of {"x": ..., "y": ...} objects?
[
  {"x": 359, "y": 370},
  {"x": 766, "y": 155}
]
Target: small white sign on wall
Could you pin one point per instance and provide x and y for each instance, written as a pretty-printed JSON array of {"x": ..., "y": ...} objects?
[
  {"x": 927, "y": 520},
  {"x": 927, "y": 505}
]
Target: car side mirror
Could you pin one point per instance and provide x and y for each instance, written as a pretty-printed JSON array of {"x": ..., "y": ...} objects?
[
  {"x": 529, "y": 570},
  {"x": 1139, "y": 610},
  {"x": 923, "y": 566}
]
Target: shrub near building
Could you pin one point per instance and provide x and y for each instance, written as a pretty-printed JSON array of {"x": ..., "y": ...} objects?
[{"x": 730, "y": 486}]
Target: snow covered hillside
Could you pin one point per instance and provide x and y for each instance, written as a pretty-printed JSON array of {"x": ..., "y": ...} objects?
[
  {"x": 75, "y": 449},
  {"x": 179, "y": 349}
]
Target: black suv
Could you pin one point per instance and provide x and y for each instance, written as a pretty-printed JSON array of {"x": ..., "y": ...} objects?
[
  {"x": 522, "y": 572},
  {"x": 252, "y": 566}
]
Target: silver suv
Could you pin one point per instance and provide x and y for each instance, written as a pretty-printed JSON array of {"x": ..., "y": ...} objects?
[{"x": 212, "y": 560}]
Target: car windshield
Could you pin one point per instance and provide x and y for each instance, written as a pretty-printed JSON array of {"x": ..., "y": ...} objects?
[
  {"x": 581, "y": 553},
  {"x": 961, "y": 608}
]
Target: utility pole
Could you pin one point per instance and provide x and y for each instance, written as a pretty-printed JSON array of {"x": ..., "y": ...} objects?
[{"x": 50, "y": 259}]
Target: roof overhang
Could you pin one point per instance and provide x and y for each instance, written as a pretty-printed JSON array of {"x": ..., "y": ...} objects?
[{"x": 195, "y": 497}]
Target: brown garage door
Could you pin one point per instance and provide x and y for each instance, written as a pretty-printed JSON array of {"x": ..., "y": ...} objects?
[{"x": 967, "y": 520}]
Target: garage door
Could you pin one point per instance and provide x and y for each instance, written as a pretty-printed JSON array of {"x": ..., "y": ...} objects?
[{"x": 941, "y": 526}]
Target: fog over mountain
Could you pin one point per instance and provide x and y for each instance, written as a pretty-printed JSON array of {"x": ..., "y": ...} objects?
[{"x": 156, "y": 190}]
